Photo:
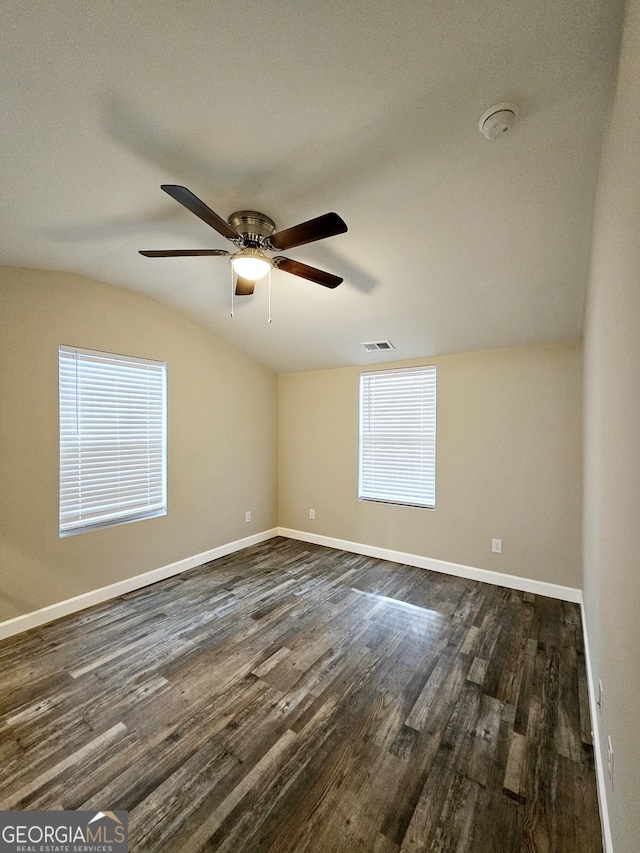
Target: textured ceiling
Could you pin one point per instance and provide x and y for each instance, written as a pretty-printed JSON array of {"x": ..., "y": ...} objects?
[{"x": 366, "y": 107}]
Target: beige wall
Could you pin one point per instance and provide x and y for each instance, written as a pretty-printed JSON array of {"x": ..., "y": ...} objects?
[
  {"x": 509, "y": 452},
  {"x": 221, "y": 438},
  {"x": 612, "y": 443},
  {"x": 509, "y": 463}
]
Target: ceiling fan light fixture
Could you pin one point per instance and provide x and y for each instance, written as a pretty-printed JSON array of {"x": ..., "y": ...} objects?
[{"x": 251, "y": 264}]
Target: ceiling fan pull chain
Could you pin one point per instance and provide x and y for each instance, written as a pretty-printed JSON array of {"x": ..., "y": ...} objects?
[
  {"x": 269, "y": 274},
  {"x": 232, "y": 290}
]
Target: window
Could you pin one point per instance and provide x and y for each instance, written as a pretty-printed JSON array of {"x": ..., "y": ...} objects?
[
  {"x": 112, "y": 439},
  {"x": 398, "y": 436}
]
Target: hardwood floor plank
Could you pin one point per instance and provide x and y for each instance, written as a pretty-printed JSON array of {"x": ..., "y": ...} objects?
[
  {"x": 443, "y": 685},
  {"x": 199, "y": 838},
  {"x": 424, "y": 819},
  {"x": 160, "y": 816},
  {"x": 480, "y": 759},
  {"x": 456, "y": 827},
  {"x": 18, "y": 795},
  {"x": 333, "y": 814},
  {"x": 169, "y": 746},
  {"x": 478, "y": 671},
  {"x": 513, "y": 781}
]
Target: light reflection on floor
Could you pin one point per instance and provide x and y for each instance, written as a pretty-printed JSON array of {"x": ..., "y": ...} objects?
[{"x": 422, "y": 612}]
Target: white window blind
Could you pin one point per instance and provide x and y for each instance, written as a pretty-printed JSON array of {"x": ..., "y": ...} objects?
[
  {"x": 398, "y": 436},
  {"x": 112, "y": 439}
]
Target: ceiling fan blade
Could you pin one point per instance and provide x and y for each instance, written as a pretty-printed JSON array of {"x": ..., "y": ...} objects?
[
  {"x": 182, "y": 253},
  {"x": 308, "y": 232},
  {"x": 244, "y": 287},
  {"x": 326, "y": 279},
  {"x": 193, "y": 203}
]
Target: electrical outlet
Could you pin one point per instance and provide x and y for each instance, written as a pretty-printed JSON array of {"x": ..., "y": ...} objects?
[
  {"x": 247, "y": 515},
  {"x": 600, "y": 698},
  {"x": 312, "y": 513},
  {"x": 496, "y": 546},
  {"x": 610, "y": 760}
]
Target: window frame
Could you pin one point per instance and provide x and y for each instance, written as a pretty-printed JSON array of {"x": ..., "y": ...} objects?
[
  {"x": 368, "y": 489},
  {"x": 136, "y": 426}
]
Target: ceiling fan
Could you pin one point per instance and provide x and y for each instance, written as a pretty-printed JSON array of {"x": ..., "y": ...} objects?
[{"x": 253, "y": 234}]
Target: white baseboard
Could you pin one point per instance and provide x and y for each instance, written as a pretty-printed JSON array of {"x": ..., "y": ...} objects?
[
  {"x": 97, "y": 596},
  {"x": 88, "y": 599},
  {"x": 595, "y": 726},
  {"x": 552, "y": 590}
]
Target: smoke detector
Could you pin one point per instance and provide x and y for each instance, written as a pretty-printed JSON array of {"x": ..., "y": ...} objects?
[{"x": 498, "y": 120}]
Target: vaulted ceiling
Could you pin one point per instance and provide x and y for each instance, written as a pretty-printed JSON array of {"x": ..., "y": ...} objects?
[{"x": 298, "y": 107}]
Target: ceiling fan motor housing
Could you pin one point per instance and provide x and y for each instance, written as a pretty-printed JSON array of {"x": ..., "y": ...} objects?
[
  {"x": 252, "y": 233},
  {"x": 255, "y": 227}
]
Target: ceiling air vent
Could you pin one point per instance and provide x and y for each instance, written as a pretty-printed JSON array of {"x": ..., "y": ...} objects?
[{"x": 376, "y": 346}]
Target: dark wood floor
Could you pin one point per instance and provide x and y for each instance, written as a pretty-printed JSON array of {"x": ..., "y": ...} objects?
[{"x": 291, "y": 697}]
